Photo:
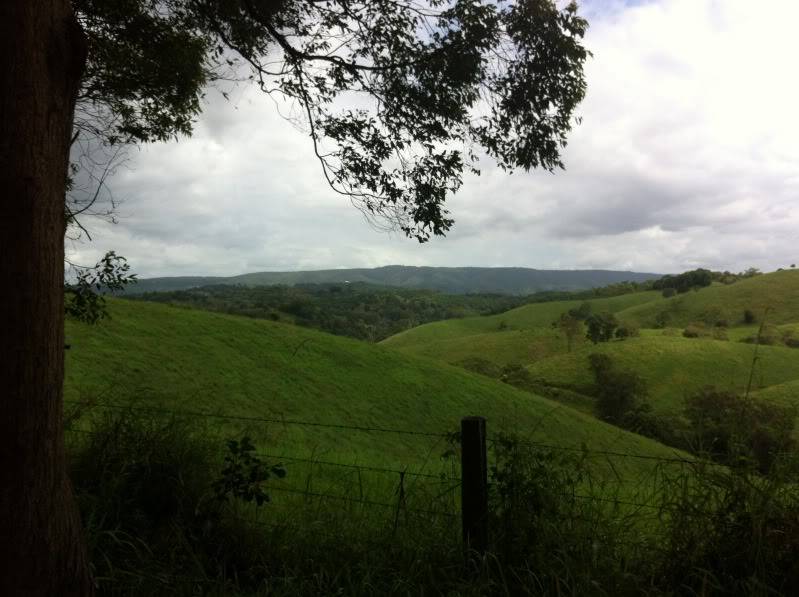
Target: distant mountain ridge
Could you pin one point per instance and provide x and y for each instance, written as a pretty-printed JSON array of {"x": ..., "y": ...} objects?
[{"x": 455, "y": 280}]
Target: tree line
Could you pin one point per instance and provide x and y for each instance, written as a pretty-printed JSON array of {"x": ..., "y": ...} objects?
[
  {"x": 358, "y": 310},
  {"x": 368, "y": 311}
]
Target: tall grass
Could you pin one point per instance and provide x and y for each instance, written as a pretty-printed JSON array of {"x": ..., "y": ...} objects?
[{"x": 155, "y": 526}]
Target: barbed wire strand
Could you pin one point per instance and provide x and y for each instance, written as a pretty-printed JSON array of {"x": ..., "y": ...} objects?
[
  {"x": 345, "y": 498},
  {"x": 601, "y": 452},
  {"x": 280, "y": 421},
  {"x": 360, "y": 467}
]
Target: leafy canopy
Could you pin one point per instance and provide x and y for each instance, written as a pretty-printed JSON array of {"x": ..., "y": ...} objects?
[
  {"x": 600, "y": 327},
  {"x": 570, "y": 326},
  {"x": 85, "y": 296},
  {"x": 398, "y": 96},
  {"x": 692, "y": 280},
  {"x": 620, "y": 394}
]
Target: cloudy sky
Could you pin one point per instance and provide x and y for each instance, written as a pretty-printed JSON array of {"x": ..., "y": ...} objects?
[{"x": 687, "y": 156}]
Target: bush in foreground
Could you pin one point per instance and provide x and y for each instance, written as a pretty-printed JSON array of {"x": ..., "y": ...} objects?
[{"x": 739, "y": 431}]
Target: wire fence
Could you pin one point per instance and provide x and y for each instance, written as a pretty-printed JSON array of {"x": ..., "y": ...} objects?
[
  {"x": 405, "y": 491},
  {"x": 451, "y": 436},
  {"x": 272, "y": 420}
]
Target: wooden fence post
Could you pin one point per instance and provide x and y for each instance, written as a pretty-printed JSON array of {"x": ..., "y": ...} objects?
[{"x": 474, "y": 484}]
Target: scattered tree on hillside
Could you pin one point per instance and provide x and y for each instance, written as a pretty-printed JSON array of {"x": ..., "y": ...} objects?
[
  {"x": 662, "y": 319},
  {"x": 569, "y": 326},
  {"x": 600, "y": 327},
  {"x": 395, "y": 96},
  {"x": 686, "y": 281},
  {"x": 696, "y": 329},
  {"x": 627, "y": 330},
  {"x": 769, "y": 335},
  {"x": 713, "y": 316},
  {"x": 582, "y": 312},
  {"x": 620, "y": 394},
  {"x": 727, "y": 277},
  {"x": 517, "y": 375},
  {"x": 669, "y": 292}
]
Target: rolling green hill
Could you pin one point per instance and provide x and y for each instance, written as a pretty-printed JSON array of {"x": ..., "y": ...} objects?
[
  {"x": 776, "y": 292},
  {"x": 184, "y": 359},
  {"x": 508, "y": 280},
  {"x": 675, "y": 367},
  {"x": 521, "y": 335},
  {"x": 785, "y": 394}
]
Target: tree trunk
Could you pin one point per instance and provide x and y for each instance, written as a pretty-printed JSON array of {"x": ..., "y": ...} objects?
[{"x": 42, "y": 52}]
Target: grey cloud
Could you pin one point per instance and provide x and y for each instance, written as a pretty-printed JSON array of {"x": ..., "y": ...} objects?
[{"x": 680, "y": 161}]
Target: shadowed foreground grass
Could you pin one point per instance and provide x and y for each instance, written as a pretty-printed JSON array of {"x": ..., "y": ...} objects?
[{"x": 148, "y": 491}]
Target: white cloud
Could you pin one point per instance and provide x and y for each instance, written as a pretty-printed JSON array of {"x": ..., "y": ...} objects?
[{"x": 687, "y": 156}]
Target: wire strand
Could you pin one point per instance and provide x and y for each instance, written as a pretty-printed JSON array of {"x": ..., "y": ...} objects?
[{"x": 281, "y": 421}]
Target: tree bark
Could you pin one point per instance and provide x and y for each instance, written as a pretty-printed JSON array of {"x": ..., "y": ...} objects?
[{"x": 42, "y": 53}]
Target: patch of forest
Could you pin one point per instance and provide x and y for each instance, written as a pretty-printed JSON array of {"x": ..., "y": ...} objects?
[{"x": 359, "y": 310}]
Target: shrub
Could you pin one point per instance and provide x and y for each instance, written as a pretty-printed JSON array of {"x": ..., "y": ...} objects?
[
  {"x": 517, "y": 375},
  {"x": 767, "y": 335},
  {"x": 739, "y": 431},
  {"x": 789, "y": 340},
  {"x": 600, "y": 327},
  {"x": 669, "y": 292},
  {"x": 662, "y": 319},
  {"x": 244, "y": 473},
  {"x": 719, "y": 333},
  {"x": 695, "y": 330},
  {"x": 710, "y": 315},
  {"x": 628, "y": 330},
  {"x": 727, "y": 531},
  {"x": 618, "y": 392},
  {"x": 146, "y": 490},
  {"x": 582, "y": 312},
  {"x": 550, "y": 539}
]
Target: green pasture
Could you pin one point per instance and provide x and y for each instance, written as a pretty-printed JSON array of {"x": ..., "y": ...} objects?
[
  {"x": 773, "y": 296},
  {"x": 675, "y": 367},
  {"x": 521, "y": 335},
  {"x": 157, "y": 356}
]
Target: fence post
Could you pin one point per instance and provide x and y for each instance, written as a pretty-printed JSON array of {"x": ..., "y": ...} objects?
[{"x": 474, "y": 484}]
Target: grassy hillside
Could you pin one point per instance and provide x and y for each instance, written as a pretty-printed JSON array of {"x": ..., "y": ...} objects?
[
  {"x": 675, "y": 367},
  {"x": 672, "y": 365},
  {"x": 785, "y": 394},
  {"x": 509, "y": 280},
  {"x": 777, "y": 292},
  {"x": 522, "y": 335},
  {"x": 157, "y": 355}
]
